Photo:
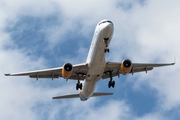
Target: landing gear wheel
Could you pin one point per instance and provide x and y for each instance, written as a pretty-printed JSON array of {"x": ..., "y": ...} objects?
[
  {"x": 78, "y": 86},
  {"x": 111, "y": 84},
  {"x": 106, "y": 50}
]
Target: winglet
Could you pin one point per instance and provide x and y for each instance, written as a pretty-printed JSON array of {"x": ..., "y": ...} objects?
[
  {"x": 174, "y": 60},
  {"x": 7, "y": 74}
]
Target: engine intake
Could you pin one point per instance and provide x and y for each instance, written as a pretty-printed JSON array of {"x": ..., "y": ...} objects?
[
  {"x": 126, "y": 66},
  {"x": 67, "y": 70}
]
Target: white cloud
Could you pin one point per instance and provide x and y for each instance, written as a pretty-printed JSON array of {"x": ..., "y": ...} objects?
[
  {"x": 152, "y": 116},
  {"x": 158, "y": 26}
]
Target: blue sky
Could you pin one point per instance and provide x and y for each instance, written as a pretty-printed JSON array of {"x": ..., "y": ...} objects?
[{"x": 45, "y": 34}]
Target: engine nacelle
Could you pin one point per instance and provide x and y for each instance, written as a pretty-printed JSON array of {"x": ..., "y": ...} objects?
[
  {"x": 126, "y": 66},
  {"x": 67, "y": 70}
]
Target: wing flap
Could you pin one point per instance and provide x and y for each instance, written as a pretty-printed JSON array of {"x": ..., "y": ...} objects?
[
  {"x": 140, "y": 69},
  {"x": 151, "y": 64},
  {"x": 44, "y": 76}
]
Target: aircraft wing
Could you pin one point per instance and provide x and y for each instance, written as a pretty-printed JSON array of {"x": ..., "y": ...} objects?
[
  {"x": 136, "y": 67},
  {"x": 81, "y": 69}
]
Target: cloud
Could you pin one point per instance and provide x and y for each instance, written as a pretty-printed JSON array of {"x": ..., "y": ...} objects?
[{"x": 159, "y": 29}]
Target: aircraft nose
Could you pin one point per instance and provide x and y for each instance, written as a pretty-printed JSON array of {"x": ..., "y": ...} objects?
[
  {"x": 108, "y": 30},
  {"x": 108, "y": 27}
]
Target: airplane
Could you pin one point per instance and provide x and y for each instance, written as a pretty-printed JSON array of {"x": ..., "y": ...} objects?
[{"x": 95, "y": 68}]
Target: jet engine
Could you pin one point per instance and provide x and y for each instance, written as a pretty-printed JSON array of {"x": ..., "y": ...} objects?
[
  {"x": 67, "y": 70},
  {"x": 126, "y": 66}
]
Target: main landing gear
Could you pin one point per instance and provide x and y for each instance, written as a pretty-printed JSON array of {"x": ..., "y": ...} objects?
[
  {"x": 78, "y": 85},
  {"x": 111, "y": 82},
  {"x": 106, "y": 43}
]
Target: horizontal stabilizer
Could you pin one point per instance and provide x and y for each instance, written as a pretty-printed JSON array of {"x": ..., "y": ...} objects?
[
  {"x": 101, "y": 94},
  {"x": 96, "y": 94},
  {"x": 67, "y": 96}
]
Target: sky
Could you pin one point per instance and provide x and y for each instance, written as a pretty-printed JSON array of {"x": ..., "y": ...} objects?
[{"x": 40, "y": 34}]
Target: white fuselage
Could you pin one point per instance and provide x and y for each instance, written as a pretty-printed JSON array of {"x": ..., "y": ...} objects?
[{"x": 96, "y": 57}]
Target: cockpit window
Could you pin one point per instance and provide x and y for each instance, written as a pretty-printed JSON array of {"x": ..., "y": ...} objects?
[
  {"x": 102, "y": 22},
  {"x": 109, "y": 21},
  {"x": 105, "y": 22}
]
